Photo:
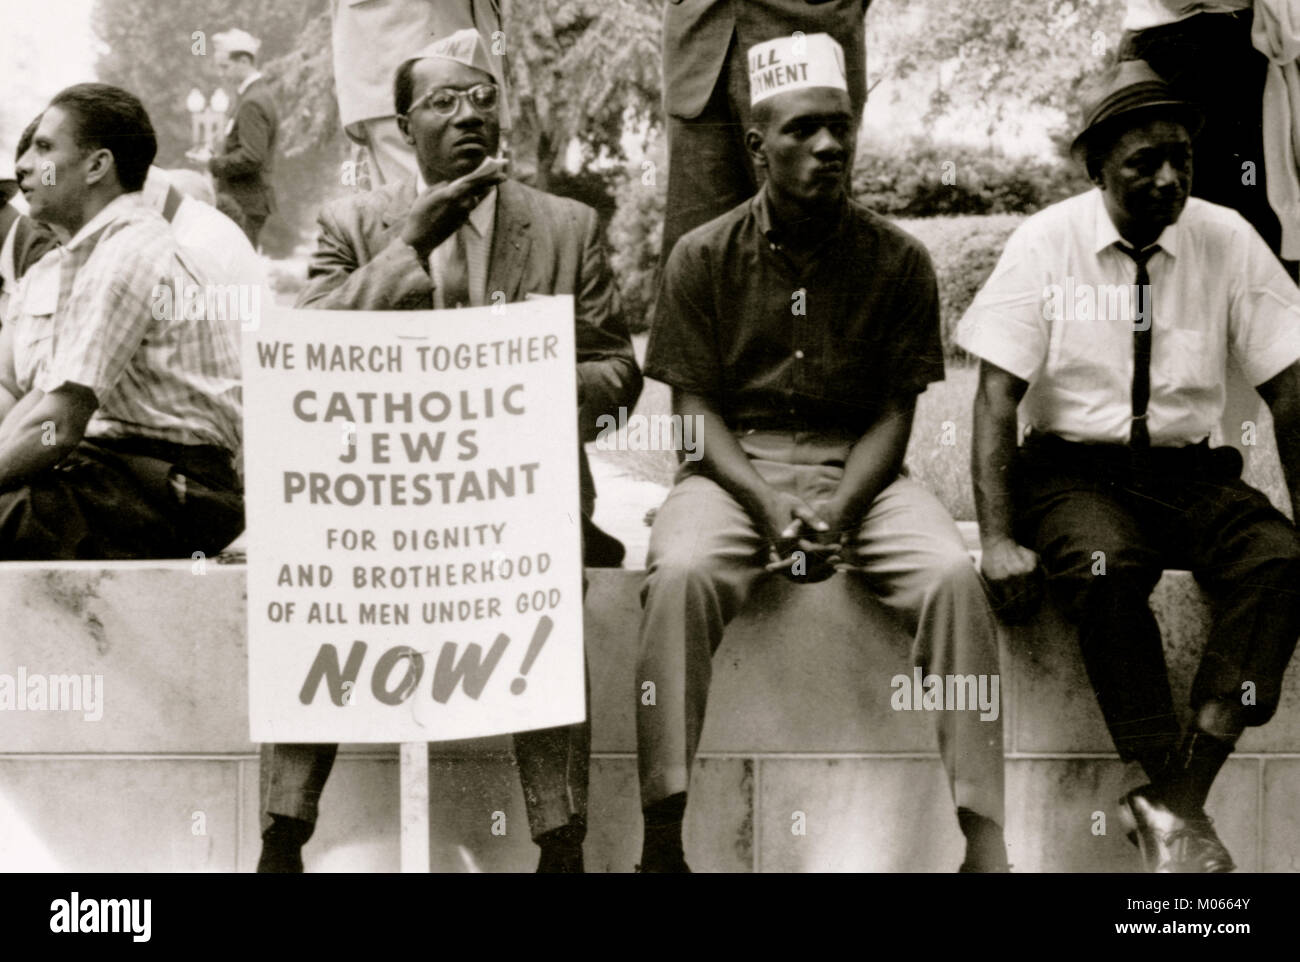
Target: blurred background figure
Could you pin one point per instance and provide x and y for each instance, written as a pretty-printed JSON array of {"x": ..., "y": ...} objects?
[
  {"x": 243, "y": 167},
  {"x": 368, "y": 38},
  {"x": 23, "y": 241},
  {"x": 706, "y": 93},
  {"x": 215, "y": 246},
  {"x": 1205, "y": 53},
  {"x": 191, "y": 183}
]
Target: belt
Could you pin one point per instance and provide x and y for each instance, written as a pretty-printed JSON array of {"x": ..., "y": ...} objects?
[
  {"x": 1194, "y": 461},
  {"x": 196, "y": 459}
]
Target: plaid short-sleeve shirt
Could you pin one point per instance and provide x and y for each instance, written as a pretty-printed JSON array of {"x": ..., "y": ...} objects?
[{"x": 107, "y": 311}]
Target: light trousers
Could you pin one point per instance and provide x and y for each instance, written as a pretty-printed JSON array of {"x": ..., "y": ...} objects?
[{"x": 705, "y": 557}]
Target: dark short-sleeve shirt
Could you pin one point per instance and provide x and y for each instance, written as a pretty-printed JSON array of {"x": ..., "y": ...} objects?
[{"x": 774, "y": 348}]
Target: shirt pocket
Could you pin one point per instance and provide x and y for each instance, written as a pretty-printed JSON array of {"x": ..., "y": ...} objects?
[
  {"x": 1080, "y": 345},
  {"x": 1186, "y": 360},
  {"x": 33, "y": 347}
]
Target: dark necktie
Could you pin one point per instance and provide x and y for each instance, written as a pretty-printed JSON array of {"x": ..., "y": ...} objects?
[
  {"x": 456, "y": 282},
  {"x": 1139, "y": 435}
]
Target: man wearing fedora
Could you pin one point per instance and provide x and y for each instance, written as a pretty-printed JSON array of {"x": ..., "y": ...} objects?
[{"x": 1112, "y": 315}]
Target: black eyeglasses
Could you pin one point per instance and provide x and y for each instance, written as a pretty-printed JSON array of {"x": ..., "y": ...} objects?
[{"x": 445, "y": 101}]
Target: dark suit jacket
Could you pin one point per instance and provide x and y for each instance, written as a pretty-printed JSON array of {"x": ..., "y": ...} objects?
[
  {"x": 541, "y": 245},
  {"x": 243, "y": 168},
  {"x": 697, "y": 34}
]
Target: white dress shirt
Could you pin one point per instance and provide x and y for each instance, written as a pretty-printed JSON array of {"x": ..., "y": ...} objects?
[
  {"x": 1053, "y": 314},
  {"x": 1141, "y": 14},
  {"x": 476, "y": 234}
]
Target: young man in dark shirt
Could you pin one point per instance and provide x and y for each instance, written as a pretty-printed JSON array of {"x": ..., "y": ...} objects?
[{"x": 798, "y": 329}]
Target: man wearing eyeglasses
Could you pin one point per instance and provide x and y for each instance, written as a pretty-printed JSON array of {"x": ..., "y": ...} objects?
[{"x": 459, "y": 234}]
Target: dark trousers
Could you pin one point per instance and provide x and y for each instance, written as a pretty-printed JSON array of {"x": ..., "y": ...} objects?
[
  {"x": 553, "y": 764},
  {"x": 1209, "y": 60},
  {"x": 709, "y": 170},
  {"x": 122, "y": 499},
  {"x": 1177, "y": 508}
]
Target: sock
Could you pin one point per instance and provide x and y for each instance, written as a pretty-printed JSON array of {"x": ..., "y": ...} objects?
[
  {"x": 562, "y": 849},
  {"x": 986, "y": 850},
  {"x": 1186, "y": 783},
  {"x": 282, "y": 844},
  {"x": 287, "y": 831},
  {"x": 661, "y": 849}
]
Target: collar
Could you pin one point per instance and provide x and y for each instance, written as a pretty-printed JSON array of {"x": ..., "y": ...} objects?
[
  {"x": 1105, "y": 234},
  {"x": 119, "y": 206},
  {"x": 480, "y": 218},
  {"x": 761, "y": 210},
  {"x": 248, "y": 82}
]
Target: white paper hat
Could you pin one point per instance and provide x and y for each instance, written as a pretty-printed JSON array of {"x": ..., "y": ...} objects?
[
  {"x": 464, "y": 46},
  {"x": 236, "y": 41},
  {"x": 796, "y": 62}
]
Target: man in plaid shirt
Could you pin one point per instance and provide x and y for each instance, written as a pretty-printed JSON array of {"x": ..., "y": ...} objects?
[{"x": 120, "y": 398}]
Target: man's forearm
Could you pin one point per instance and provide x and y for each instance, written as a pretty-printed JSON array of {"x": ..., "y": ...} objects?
[
  {"x": 721, "y": 456},
  {"x": 41, "y": 431},
  {"x": 993, "y": 451},
  {"x": 1282, "y": 394},
  {"x": 8, "y": 401},
  {"x": 874, "y": 462},
  {"x": 16, "y": 413},
  {"x": 1286, "y": 428}
]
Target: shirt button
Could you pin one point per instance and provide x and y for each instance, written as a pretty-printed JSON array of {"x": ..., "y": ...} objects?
[{"x": 799, "y": 355}]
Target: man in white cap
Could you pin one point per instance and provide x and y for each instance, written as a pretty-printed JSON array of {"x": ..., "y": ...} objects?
[
  {"x": 367, "y": 38},
  {"x": 706, "y": 98},
  {"x": 243, "y": 168},
  {"x": 459, "y": 234},
  {"x": 798, "y": 329}
]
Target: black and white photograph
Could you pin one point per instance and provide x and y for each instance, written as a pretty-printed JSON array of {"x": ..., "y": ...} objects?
[{"x": 651, "y": 437}]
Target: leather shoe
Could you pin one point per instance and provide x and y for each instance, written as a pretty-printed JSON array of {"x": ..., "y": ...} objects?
[
  {"x": 976, "y": 865},
  {"x": 1170, "y": 843},
  {"x": 676, "y": 867}
]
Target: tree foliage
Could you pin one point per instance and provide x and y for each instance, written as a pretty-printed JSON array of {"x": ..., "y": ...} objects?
[
  {"x": 997, "y": 57},
  {"x": 162, "y": 51},
  {"x": 580, "y": 70}
]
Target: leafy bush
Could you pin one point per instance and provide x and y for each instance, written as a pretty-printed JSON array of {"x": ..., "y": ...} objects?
[
  {"x": 964, "y": 251},
  {"x": 635, "y": 233},
  {"x": 924, "y": 179},
  {"x": 964, "y": 248}
]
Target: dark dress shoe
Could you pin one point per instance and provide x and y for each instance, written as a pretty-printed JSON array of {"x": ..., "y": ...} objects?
[
  {"x": 599, "y": 548},
  {"x": 1170, "y": 843},
  {"x": 976, "y": 865},
  {"x": 673, "y": 867}
]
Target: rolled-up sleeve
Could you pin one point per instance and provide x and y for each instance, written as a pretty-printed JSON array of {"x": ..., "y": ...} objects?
[
  {"x": 683, "y": 348},
  {"x": 1005, "y": 323}
]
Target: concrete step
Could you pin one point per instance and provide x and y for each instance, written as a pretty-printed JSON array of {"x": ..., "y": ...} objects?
[{"x": 799, "y": 722}]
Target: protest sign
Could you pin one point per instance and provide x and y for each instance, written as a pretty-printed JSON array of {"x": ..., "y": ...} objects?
[{"x": 414, "y": 564}]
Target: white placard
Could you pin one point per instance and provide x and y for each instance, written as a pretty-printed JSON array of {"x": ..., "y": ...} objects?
[{"x": 414, "y": 561}]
